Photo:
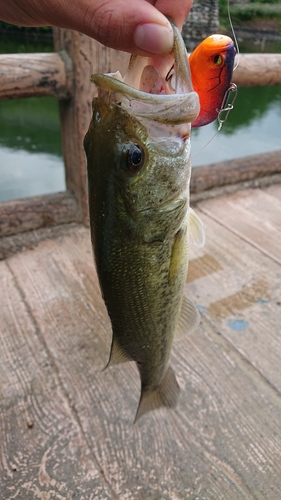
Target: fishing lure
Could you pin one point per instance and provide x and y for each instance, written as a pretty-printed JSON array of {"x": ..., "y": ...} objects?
[{"x": 211, "y": 65}]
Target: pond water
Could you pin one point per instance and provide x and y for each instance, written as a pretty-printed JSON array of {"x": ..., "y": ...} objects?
[
  {"x": 30, "y": 146},
  {"x": 252, "y": 127}
]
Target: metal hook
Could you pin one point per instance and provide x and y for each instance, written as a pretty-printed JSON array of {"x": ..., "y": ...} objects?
[{"x": 227, "y": 106}]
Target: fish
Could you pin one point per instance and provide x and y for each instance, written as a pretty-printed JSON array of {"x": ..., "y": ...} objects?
[
  {"x": 211, "y": 65},
  {"x": 138, "y": 167}
]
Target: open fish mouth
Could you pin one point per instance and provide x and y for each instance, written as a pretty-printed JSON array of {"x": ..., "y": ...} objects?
[{"x": 157, "y": 89}]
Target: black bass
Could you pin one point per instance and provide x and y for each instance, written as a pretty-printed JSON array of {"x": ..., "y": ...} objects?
[{"x": 138, "y": 161}]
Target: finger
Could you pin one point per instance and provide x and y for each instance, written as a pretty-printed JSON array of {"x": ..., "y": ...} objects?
[
  {"x": 177, "y": 10},
  {"x": 144, "y": 30}
]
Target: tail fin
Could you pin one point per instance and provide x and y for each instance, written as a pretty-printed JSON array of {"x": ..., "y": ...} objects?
[{"x": 165, "y": 395}]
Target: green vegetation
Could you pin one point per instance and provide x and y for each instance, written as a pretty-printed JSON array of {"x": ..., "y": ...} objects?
[
  {"x": 6, "y": 27},
  {"x": 251, "y": 11}
]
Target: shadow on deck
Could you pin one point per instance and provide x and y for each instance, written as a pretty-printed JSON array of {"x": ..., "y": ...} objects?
[{"x": 66, "y": 426}]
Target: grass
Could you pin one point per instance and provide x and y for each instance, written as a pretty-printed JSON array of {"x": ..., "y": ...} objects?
[{"x": 250, "y": 11}]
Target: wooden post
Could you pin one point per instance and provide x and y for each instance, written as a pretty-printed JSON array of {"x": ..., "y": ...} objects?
[
  {"x": 88, "y": 57},
  {"x": 34, "y": 75},
  {"x": 258, "y": 70}
]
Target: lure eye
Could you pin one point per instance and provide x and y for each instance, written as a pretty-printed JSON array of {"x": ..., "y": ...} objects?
[
  {"x": 134, "y": 158},
  {"x": 218, "y": 60}
]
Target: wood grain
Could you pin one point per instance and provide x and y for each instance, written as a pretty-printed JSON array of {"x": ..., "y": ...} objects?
[
  {"x": 11, "y": 245},
  {"x": 87, "y": 56},
  {"x": 253, "y": 215},
  {"x": 34, "y": 75},
  {"x": 258, "y": 69},
  {"x": 231, "y": 172},
  {"x": 43, "y": 451},
  {"x": 238, "y": 291},
  {"x": 224, "y": 439},
  {"x": 19, "y": 216}
]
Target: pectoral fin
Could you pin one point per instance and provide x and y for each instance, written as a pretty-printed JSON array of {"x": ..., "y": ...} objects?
[
  {"x": 177, "y": 254},
  {"x": 189, "y": 318},
  {"x": 197, "y": 234},
  {"x": 165, "y": 395}
]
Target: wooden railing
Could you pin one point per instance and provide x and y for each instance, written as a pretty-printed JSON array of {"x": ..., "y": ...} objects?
[{"x": 65, "y": 74}]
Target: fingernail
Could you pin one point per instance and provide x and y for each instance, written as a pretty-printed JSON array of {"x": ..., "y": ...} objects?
[{"x": 154, "y": 38}]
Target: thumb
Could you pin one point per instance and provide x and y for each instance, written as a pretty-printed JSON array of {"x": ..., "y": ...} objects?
[{"x": 136, "y": 27}]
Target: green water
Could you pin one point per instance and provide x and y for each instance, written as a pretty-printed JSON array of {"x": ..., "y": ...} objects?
[
  {"x": 30, "y": 144},
  {"x": 30, "y": 148},
  {"x": 253, "y": 127}
]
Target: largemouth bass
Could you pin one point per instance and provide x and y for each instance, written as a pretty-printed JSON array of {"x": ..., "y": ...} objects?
[{"x": 138, "y": 161}]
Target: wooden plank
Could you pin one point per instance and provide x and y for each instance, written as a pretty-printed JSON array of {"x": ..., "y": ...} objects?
[
  {"x": 34, "y": 75},
  {"x": 234, "y": 171},
  {"x": 88, "y": 56},
  {"x": 224, "y": 439},
  {"x": 274, "y": 191},
  {"x": 44, "y": 454},
  {"x": 11, "y": 245},
  {"x": 19, "y": 216},
  {"x": 237, "y": 288},
  {"x": 258, "y": 69},
  {"x": 253, "y": 215}
]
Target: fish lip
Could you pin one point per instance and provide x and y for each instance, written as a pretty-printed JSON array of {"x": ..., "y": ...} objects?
[{"x": 181, "y": 105}]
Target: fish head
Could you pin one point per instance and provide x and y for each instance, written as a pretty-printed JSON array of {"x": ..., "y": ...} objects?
[
  {"x": 138, "y": 143},
  {"x": 211, "y": 65}
]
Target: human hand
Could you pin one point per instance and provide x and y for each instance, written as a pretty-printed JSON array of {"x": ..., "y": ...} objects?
[{"x": 136, "y": 26}]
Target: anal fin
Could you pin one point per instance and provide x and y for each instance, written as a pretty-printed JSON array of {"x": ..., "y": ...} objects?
[
  {"x": 117, "y": 354},
  {"x": 189, "y": 318},
  {"x": 166, "y": 395}
]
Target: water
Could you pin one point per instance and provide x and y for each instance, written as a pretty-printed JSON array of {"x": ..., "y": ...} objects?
[
  {"x": 253, "y": 127},
  {"x": 30, "y": 145},
  {"x": 31, "y": 161},
  {"x": 30, "y": 148}
]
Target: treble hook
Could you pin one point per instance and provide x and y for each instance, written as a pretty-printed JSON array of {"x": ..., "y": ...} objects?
[{"x": 227, "y": 106}]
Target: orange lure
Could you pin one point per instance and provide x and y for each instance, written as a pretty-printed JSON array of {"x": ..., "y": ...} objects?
[{"x": 211, "y": 66}]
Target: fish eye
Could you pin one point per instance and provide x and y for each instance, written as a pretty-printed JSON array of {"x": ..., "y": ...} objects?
[
  {"x": 135, "y": 158},
  {"x": 218, "y": 60}
]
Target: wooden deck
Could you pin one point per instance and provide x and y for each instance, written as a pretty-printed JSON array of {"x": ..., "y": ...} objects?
[{"x": 66, "y": 426}]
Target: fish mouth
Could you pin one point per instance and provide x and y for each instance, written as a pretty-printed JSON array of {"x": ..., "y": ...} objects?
[{"x": 158, "y": 88}]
